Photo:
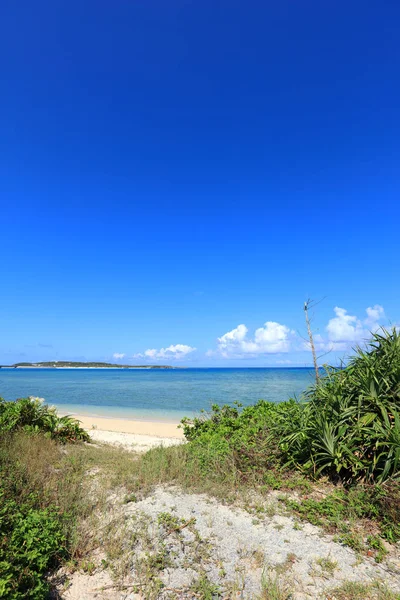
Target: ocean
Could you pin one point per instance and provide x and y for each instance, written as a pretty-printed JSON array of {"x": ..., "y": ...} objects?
[{"x": 152, "y": 394}]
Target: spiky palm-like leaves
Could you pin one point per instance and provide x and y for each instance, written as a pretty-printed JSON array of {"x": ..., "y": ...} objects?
[
  {"x": 351, "y": 421},
  {"x": 32, "y": 415}
]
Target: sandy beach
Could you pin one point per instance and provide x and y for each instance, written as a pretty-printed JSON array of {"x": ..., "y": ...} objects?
[{"x": 134, "y": 435}]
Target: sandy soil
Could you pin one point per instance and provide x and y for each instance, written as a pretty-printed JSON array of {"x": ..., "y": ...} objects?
[
  {"x": 236, "y": 549},
  {"x": 133, "y": 435}
]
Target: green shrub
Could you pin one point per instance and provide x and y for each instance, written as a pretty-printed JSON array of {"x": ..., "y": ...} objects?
[
  {"x": 31, "y": 541},
  {"x": 247, "y": 439},
  {"x": 31, "y": 415},
  {"x": 32, "y": 534},
  {"x": 346, "y": 427},
  {"x": 351, "y": 421},
  {"x": 41, "y": 498}
]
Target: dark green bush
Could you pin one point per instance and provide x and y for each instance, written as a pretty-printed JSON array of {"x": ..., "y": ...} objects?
[
  {"x": 32, "y": 533},
  {"x": 31, "y": 541},
  {"x": 347, "y": 427},
  {"x": 40, "y": 488},
  {"x": 351, "y": 421},
  {"x": 249, "y": 439},
  {"x": 33, "y": 416}
]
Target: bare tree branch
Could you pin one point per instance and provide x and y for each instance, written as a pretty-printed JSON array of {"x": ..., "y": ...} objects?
[
  {"x": 307, "y": 305},
  {"x": 325, "y": 353}
]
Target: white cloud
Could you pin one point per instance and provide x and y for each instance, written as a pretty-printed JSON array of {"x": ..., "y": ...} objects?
[
  {"x": 272, "y": 338},
  {"x": 374, "y": 314},
  {"x": 175, "y": 352},
  {"x": 344, "y": 327},
  {"x": 324, "y": 344},
  {"x": 348, "y": 329},
  {"x": 118, "y": 355},
  {"x": 236, "y": 336},
  {"x": 344, "y": 330}
]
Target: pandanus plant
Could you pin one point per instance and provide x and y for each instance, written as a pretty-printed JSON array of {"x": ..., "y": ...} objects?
[
  {"x": 33, "y": 415},
  {"x": 351, "y": 420}
]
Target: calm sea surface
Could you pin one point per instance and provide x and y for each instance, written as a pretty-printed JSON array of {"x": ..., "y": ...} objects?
[{"x": 151, "y": 394}]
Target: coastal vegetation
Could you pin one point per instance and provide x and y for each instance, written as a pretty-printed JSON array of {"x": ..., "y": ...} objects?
[
  {"x": 41, "y": 495},
  {"x": 330, "y": 459},
  {"x": 31, "y": 415},
  {"x": 347, "y": 427}
]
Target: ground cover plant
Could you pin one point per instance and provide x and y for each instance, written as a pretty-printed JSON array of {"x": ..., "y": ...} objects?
[
  {"x": 31, "y": 541},
  {"x": 41, "y": 496}
]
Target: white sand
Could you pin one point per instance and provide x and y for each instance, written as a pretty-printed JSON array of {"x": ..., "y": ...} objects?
[
  {"x": 133, "y": 435},
  {"x": 132, "y": 441}
]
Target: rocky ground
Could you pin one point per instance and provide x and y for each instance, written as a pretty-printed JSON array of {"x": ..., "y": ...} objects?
[{"x": 175, "y": 545}]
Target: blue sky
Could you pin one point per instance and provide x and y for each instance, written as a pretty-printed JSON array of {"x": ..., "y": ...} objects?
[{"x": 173, "y": 170}]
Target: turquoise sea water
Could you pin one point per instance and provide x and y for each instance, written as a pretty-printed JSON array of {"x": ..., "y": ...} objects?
[{"x": 165, "y": 395}]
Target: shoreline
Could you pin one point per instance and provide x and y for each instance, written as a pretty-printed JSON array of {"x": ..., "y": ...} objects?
[
  {"x": 139, "y": 436},
  {"x": 117, "y": 425},
  {"x": 125, "y": 418}
]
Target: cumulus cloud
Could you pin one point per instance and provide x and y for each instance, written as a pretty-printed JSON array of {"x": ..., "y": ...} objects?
[
  {"x": 374, "y": 314},
  {"x": 344, "y": 327},
  {"x": 236, "y": 336},
  {"x": 344, "y": 330},
  {"x": 118, "y": 355},
  {"x": 174, "y": 352},
  {"x": 271, "y": 338}
]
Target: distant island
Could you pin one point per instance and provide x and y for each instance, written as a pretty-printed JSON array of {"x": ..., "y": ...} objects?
[{"x": 66, "y": 364}]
